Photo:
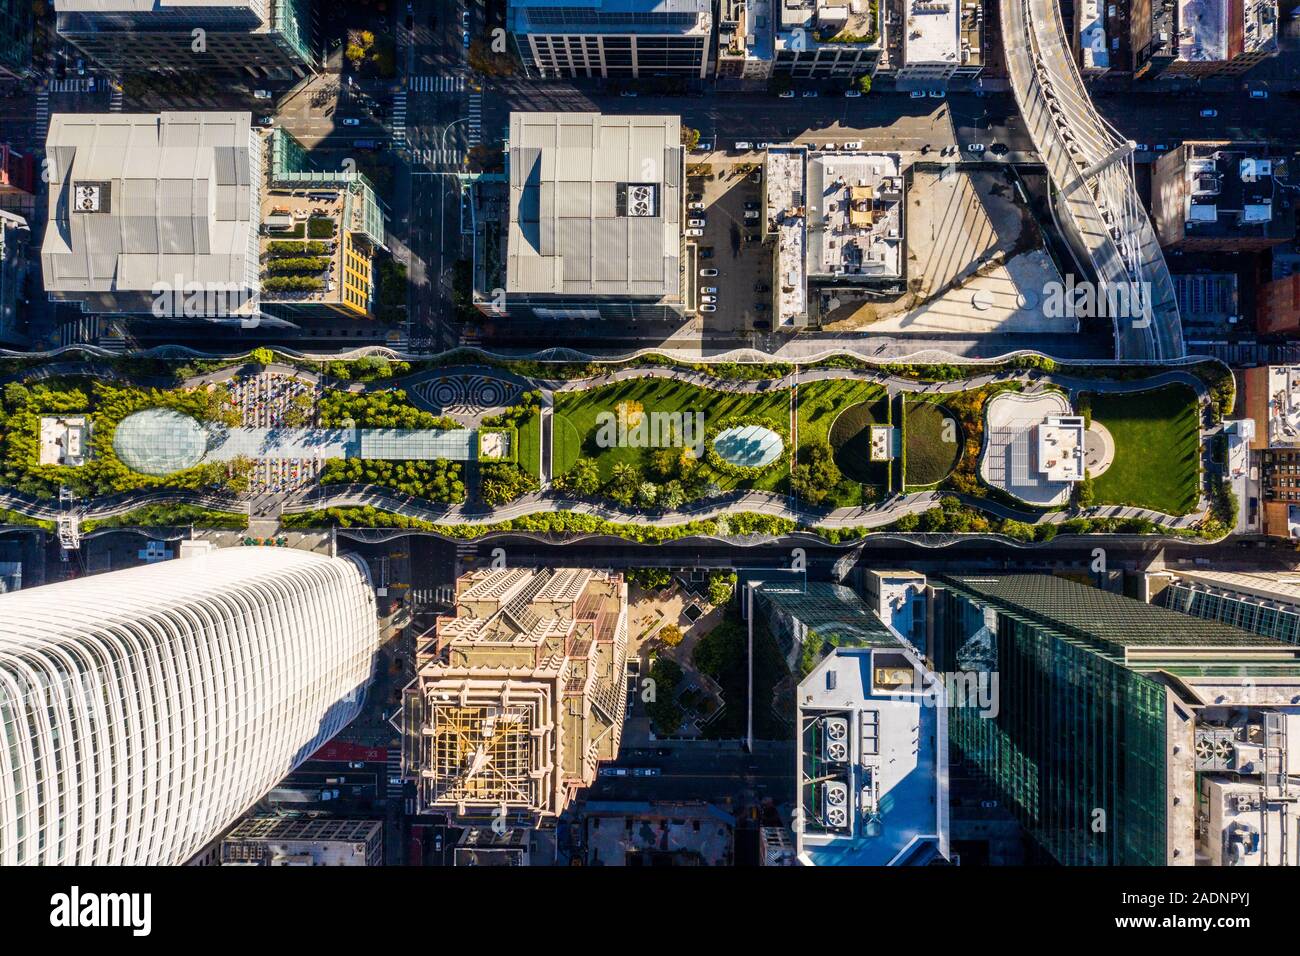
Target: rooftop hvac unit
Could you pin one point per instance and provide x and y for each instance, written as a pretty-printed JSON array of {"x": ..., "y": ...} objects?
[
  {"x": 835, "y": 795},
  {"x": 835, "y": 745}
]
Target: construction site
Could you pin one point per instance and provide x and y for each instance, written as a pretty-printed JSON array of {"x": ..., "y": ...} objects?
[{"x": 519, "y": 696}]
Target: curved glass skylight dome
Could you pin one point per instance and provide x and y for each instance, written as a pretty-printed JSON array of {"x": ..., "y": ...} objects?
[
  {"x": 751, "y": 446},
  {"x": 159, "y": 441}
]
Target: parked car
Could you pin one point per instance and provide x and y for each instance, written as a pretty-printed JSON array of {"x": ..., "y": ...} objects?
[
  {"x": 975, "y": 147},
  {"x": 261, "y": 94},
  {"x": 743, "y": 144},
  {"x": 695, "y": 223},
  {"x": 711, "y": 299},
  {"x": 852, "y": 145},
  {"x": 694, "y": 233},
  {"x": 1162, "y": 147},
  {"x": 351, "y": 121},
  {"x": 936, "y": 94},
  {"x": 464, "y": 37},
  {"x": 704, "y": 147},
  {"x": 1209, "y": 114},
  {"x": 708, "y": 308},
  {"x": 1259, "y": 94},
  {"x": 853, "y": 94},
  {"x": 809, "y": 94},
  {"x": 695, "y": 205},
  {"x": 1141, "y": 147},
  {"x": 917, "y": 94},
  {"x": 708, "y": 273},
  {"x": 751, "y": 214},
  {"x": 762, "y": 145},
  {"x": 694, "y": 197},
  {"x": 81, "y": 67},
  {"x": 628, "y": 93},
  {"x": 998, "y": 149},
  {"x": 709, "y": 289},
  {"x": 788, "y": 95},
  {"x": 267, "y": 120},
  {"x": 356, "y": 765}
]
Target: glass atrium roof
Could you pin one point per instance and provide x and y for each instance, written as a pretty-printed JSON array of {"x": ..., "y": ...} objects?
[
  {"x": 159, "y": 441},
  {"x": 749, "y": 445}
]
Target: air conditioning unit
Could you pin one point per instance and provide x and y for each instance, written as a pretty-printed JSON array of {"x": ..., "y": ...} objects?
[
  {"x": 835, "y": 741},
  {"x": 835, "y": 795}
]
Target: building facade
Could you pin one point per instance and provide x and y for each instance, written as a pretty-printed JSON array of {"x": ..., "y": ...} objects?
[
  {"x": 253, "y": 39},
  {"x": 829, "y": 38},
  {"x": 1125, "y": 733},
  {"x": 144, "y": 710},
  {"x": 15, "y": 38},
  {"x": 518, "y": 697},
  {"x": 1262, "y": 602},
  {"x": 613, "y": 38}
]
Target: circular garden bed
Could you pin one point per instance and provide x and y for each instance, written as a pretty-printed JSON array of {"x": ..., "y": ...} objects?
[{"x": 933, "y": 448}]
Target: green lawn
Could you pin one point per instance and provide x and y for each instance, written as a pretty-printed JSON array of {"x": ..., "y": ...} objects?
[
  {"x": 1157, "y": 449},
  {"x": 840, "y": 413},
  {"x": 575, "y": 426},
  {"x": 929, "y": 458},
  {"x": 530, "y": 446}
]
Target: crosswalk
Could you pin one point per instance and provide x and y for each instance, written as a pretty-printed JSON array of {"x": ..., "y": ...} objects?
[
  {"x": 437, "y": 84},
  {"x": 394, "y": 768},
  {"x": 42, "y": 115},
  {"x": 72, "y": 84},
  {"x": 439, "y": 157},
  {"x": 475, "y": 124},
  {"x": 399, "y": 117},
  {"x": 115, "y": 101}
]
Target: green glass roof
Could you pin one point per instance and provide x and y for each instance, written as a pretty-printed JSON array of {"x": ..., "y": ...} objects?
[
  {"x": 1116, "y": 624},
  {"x": 833, "y": 612}
]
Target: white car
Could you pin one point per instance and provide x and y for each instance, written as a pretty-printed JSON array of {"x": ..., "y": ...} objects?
[
  {"x": 853, "y": 145},
  {"x": 751, "y": 214},
  {"x": 708, "y": 273},
  {"x": 261, "y": 94},
  {"x": 975, "y": 147},
  {"x": 710, "y": 299},
  {"x": 695, "y": 223},
  {"x": 704, "y": 147},
  {"x": 852, "y": 94},
  {"x": 695, "y": 205},
  {"x": 743, "y": 144},
  {"x": 694, "y": 233},
  {"x": 788, "y": 95},
  {"x": 708, "y": 308},
  {"x": 709, "y": 289}
]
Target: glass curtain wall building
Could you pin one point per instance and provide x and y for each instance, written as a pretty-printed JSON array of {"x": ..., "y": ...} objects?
[
  {"x": 142, "y": 711},
  {"x": 1120, "y": 727},
  {"x": 1262, "y": 602}
]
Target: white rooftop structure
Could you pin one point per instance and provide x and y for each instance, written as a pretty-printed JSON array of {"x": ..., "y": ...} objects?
[
  {"x": 145, "y": 202},
  {"x": 595, "y": 205},
  {"x": 65, "y": 440},
  {"x": 786, "y": 215},
  {"x": 144, "y": 710},
  {"x": 1060, "y": 448},
  {"x": 855, "y": 215},
  {"x": 1033, "y": 447},
  {"x": 1214, "y": 30},
  {"x": 930, "y": 32}
]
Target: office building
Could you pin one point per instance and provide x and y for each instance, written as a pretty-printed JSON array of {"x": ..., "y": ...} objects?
[
  {"x": 294, "y": 840},
  {"x": 1272, "y": 402},
  {"x": 327, "y": 220},
  {"x": 841, "y": 39},
  {"x": 1223, "y": 37},
  {"x": 1262, "y": 602},
  {"x": 1124, "y": 733},
  {"x": 154, "y": 214},
  {"x": 613, "y": 38},
  {"x": 1223, "y": 197},
  {"x": 15, "y": 38},
  {"x": 254, "y": 40},
  {"x": 520, "y": 695},
  {"x": 745, "y": 40},
  {"x": 837, "y": 220},
  {"x": 14, "y": 238},
  {"x": 941, "y": 39},
  {"x": 144, "y": 710},
  {"x": 17, "y": 180},
  {"x": 656, "y": 833},
  {"x": 594, "y": 229},
  {"x": 872, "y": 761}
]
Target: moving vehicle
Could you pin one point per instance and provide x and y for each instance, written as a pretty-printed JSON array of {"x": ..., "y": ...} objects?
[
  {"x": 356, "y": 765},
  {"x": 267, "y": 120},
  {"x": 937, "y": 94},
  {"x": 762, "y": 145},
  {"x": 788, "y": 95},
  {"x": 261, "y": 94},
  {"x": 809, "y": 94},
  {"x": 1209, "y": 114},
  {"x": 351, "y": 121},
  {"x": 853, "y": 94},
  {"x": 975, "y": 147},
  {"x": 1259, "y": 94},
  {"x": 917, "y": 94},
  {"x": 465, "y": 39},
  {"x": 704, "y": 147}
]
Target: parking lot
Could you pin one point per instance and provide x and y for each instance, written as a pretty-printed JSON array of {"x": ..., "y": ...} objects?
[{"x": 731, "y": 243}]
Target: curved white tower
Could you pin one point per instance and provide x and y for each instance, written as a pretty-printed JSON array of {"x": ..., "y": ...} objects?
[{"x": 142, "y": 711}]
